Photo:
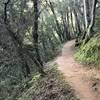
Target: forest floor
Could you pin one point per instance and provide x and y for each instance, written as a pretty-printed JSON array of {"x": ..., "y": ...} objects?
[
  {"x": 84, "y": 80},
  {"x": 52, "y": 86}
]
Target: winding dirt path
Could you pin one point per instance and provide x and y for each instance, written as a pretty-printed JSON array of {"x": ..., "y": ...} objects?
[{"x": 77, "y": 76}]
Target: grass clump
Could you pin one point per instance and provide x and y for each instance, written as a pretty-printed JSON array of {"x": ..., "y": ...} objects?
[{"x": 90, "y": 52}]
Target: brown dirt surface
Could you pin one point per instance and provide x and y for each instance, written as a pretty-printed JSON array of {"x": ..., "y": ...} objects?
[{"x": 79, "y": 77}]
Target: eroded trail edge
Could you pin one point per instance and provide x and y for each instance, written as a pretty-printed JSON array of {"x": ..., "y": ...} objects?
[{"x": 77, "y": 75}]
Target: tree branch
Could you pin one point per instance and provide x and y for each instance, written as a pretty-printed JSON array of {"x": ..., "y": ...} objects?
[{"x": 5, "y": 11}]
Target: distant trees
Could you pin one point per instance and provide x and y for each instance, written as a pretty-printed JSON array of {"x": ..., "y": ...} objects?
[
  {"x": 58, "y": 29},
  {"x": 88, "y": 10},
  {"x": 89, "y": 14}
]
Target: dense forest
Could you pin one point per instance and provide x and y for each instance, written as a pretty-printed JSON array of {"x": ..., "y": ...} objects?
[{"x": 32, "y": 35}]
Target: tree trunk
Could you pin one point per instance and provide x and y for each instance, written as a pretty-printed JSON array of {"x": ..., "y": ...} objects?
[
  {"x": 68, "y": 24},
  {"x": 65, "y": 28},
  {"x": 35, "y": 35},
  {"x": 77, "y": 22},
  {"x": 86, "y": 13},
  {"x": 72, "y": 23},
  {"x": 59, "y": 31},
  {"x": 90, "y": 28}
]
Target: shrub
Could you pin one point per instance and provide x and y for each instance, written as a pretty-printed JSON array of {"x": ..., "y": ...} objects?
[{"x": 90, "y": 52}]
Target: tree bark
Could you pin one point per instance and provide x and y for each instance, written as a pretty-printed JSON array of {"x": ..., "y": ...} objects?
[
  {"x": 59, "y": 31},
  {"x": 68, "y": 24},
  {"x": 86, "y": 13},
  {"x": 90, "y": 28},
  {"x": 5, "y": 11},
  {"x": 35, "y": 35},
  {"x": 77, "y": 22}
]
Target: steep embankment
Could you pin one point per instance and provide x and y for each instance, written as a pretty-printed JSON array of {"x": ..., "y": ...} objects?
[
  {"x": 50, "y": 87},
  {"x": 77, "y": 76}
]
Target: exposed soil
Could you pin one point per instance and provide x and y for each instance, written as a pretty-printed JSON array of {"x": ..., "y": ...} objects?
[{"x": 78, "y": 76}]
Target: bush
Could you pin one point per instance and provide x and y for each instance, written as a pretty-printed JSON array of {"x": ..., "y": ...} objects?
[{"x": 90, "y": 52}]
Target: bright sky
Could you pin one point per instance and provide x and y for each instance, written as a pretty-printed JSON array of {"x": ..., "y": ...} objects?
[{"x": 30, "y": 4}]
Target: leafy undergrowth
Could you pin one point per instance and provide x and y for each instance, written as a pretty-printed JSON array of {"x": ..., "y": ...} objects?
[
  {"x": 90, "y": 52},
  {"x": 50, "y": 87}
]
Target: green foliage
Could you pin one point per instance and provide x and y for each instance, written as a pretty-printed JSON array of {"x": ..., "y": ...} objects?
[
  {"x": 97, "y": 24},
  {"x": 90, "y": 52}
]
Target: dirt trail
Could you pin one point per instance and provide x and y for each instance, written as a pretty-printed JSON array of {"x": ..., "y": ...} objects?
[{"x": 77, "y": 76}]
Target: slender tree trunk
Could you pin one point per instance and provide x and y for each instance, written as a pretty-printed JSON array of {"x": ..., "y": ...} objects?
[
  {"x": 65, "y": 28},
  {"x": 5, "y": 11},
  {"x": 89, "y": 32},
  {"x": 86, "y": 13},
  {"x": 68, "y": 24},
  {"x": 77, "y": 21},
  {"x": 72, "y": 22},
  {"x": 90, "y": 28},
  {"x": 35, "y": 35},
  {"x": 59, "y": 31}
]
